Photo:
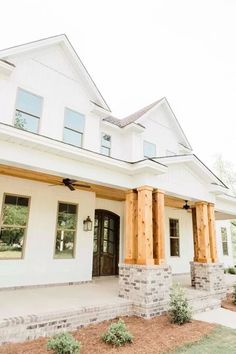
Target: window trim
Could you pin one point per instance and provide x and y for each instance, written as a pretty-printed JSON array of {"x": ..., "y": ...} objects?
[
  {"x": 26, "y": 226},
  {"x": 76, "y": 231},
  {"x": 173, "y": 237},
  {"x": 222, "y": 242},
  {"x": 102, "y": 146},
  {"x": 41, "y": 113},
  {"x": 149, "y": 142},
  {"x": 73, "y": 130}
]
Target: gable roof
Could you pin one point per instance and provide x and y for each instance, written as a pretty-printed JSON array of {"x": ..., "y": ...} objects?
[
  {"x": 133, "y": 118},
  {"x": 59, "y": 39}
]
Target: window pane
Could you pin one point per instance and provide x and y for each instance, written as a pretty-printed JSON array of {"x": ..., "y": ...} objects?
[
  {"x": 225, "y": 248},
  {"x": 65, "y": 244},
  {"x": 111, "y": 236},
  {"x": 224, "y": 234},
  {"x": 106, "y": 140},
  {"x": 105, "y": 246},
  {"x": 29, "y": 103},
  {"x": 11, "y": 242},
  {"x": 106, "y": 221},
  {"x": 111, "y": 248},
  {"x": 174, "y": 228},
  {"x": 105, "y": 234},
  {"x": 149, "y": 149},
  {"x": 74, "y": 120},
  {"x": 105, "y": 151},
  {"x": 66, "y": 219},
  {"x": 174, "y": 247},
  {"x": 72, "y": 137},
  {"x": 95, "y": 246},
  {"x": 15, "y": 211},
  {"x": 112, "y": 223},
  {"x": 26, "y": 122}
]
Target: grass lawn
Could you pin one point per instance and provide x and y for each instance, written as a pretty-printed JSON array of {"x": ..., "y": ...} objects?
[{"x": 221, "y": 340}]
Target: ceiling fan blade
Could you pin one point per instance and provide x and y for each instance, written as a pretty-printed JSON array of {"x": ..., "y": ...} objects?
[
  {"x": 70, "y": 186},
  {"x": 54, "y": 185}
]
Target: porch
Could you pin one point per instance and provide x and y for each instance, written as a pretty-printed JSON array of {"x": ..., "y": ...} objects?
[{"x": 39, "y": 311}]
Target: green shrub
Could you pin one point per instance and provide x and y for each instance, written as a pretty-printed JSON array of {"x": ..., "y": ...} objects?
[
  {"x": 234, "y": 295},
  {"x": 232, "y": 270},
  {"x": 179, "y": 310},
  {"x": 117, "y": 334},
  {"x": 64, "y": 343}
]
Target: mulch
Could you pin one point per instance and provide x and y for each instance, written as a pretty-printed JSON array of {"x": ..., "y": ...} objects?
[
  {"x": 152, "y": 336},
  {"x": 228, "y": 303}
]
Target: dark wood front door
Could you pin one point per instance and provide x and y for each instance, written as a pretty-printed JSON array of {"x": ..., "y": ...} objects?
[{"x": 106, "y": 243}]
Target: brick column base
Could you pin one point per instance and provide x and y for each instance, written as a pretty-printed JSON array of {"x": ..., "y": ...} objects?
[
  {"x": 148, "y": 287},
  {"x": 209, "y": 277}
]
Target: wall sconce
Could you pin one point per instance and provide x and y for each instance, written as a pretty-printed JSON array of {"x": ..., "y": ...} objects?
[{"x": 88, "y": 224}]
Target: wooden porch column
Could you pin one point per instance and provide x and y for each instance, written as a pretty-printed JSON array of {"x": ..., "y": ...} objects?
[
  {"x": 203, "y": 242},
  {"x": 212, "y": 232},
  {"x": 158, "y": 206},
  {"x": 145, "y": 234},
  {"x": 195, "y": 238},
  {"x": 131, "y": 226}
]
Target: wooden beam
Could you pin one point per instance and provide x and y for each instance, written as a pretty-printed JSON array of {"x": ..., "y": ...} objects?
[
  {"x": 178, "y": 203},
  {"x": 145, "y": 235},
  {"x": 203, "y": 242},
  {"x": 101, "y": 191},
  {"x": 212, "y": 232},
  {"x": 158, "y": 226},
  {"x": 131, "y": 226}
]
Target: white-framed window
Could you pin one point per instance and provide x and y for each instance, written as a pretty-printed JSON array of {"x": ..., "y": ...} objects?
[
  {"x": 73, "y": 127},
  {"x": 174, "y": 237},
  {"x": 106, "y": 144},
  {"x": 224, "y": 238},
  {"x": 66, "y": 230},
  {"x": 28, "y": 111},
  {"x": 149, "y": 149},
  {"x": 13, "y": 226}
]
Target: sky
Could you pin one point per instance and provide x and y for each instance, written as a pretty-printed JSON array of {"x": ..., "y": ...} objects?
[{"x": 138, "y": 51}]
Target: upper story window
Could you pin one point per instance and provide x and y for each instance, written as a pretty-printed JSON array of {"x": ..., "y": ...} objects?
[
  {"x": 224, "y": 239},
  {"x": 28, "y": 111},
  {"x": 106, "y": 144},
  {"x": 73, "y": 127},
  {"x": 149, "y": 149},
  {"x": 13, "y": 226}
]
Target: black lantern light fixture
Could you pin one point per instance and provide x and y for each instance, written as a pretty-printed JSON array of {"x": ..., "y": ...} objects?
[{"x": 88, "y": 224}]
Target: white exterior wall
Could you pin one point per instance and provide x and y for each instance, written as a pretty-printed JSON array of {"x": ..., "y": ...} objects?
[
  {"x": 180, "y": 264},
  {"x": 39, "y": 265},
  {"x": 227, "y": 260}
]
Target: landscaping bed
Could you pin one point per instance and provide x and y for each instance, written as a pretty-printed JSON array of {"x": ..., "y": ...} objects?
[
  {"x": 153, "y": 336},
  {"x": 227, "y": 303}
]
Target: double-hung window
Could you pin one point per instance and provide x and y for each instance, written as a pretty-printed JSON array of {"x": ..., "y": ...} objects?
[
  {"x": 174, "y": 237},
  {"x": 224, "y": 239},
  {"x": 106, "y": 144},
  {"x": 28, "y": 111},
  {"x": 13, "y": 226},
  {"x": 66, "y": 230},
  {"x": 149, "y": 149},
  {"x": 73, "y": 127}
]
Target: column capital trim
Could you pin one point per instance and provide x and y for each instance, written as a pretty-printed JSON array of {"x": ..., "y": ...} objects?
[
  {"x": 211, "y": 204},
  {"x": 158, "y": 191},
  {"x": 145, "y": 188},
  {"x": 201, "y": 203},
  {"x": 131, "y": 191}
]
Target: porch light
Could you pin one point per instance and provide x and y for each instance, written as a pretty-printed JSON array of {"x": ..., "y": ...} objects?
[{"x": 88, "y": 224}]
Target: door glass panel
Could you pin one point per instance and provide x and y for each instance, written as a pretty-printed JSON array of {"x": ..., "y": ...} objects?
[
  {"x": 112, "y": 224},
  {"x": 111, "y": 235},
  {"x": 105, "y": 234},
  {"x": 111, "y": 248},
  {"x": 105, "y": 246},
  {"x": 95, "y": 246},
  {"x": 106, "y": 221},
  {"x": 96, "y": 222},
  {"x": 95, "y": 232}
]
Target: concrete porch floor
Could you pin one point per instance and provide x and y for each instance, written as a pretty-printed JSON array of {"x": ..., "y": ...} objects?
[{"x": 51, "y": 299}]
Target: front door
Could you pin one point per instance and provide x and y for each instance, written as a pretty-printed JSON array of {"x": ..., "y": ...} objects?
[{"x": 106, "y": 243}]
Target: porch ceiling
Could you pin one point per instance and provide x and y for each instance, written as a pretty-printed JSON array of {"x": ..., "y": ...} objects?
[{"x": 101, "y": 191}]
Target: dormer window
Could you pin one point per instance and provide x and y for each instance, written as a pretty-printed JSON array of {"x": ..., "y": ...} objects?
[
  {"x": 106, "y": 144},
  {"x": 73, "y": 127},
  {"x": 149, "y": 149},
  {"x": 28, "y": 111}
]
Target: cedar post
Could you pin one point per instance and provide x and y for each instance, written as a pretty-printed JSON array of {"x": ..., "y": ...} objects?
[
  {"x": 145, "y": 233},
  {"x": 203, "y": 242},
  {"x": 195, "y": 239},
  {"x": 212, "y": 233},
  {"x": 158, "y": 226},
  {"x": 131, "y": 226}
]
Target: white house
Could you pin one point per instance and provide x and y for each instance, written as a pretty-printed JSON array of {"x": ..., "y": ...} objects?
[{"x": 66, "y": 161}]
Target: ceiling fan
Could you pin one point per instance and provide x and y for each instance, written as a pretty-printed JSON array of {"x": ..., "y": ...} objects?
[
  {"x": 70, "y": 183},
  {"x": 186, "y": 206}
]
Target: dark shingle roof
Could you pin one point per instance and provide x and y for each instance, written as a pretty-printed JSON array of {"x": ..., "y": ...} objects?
[{"x": 131, "y": 118}]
